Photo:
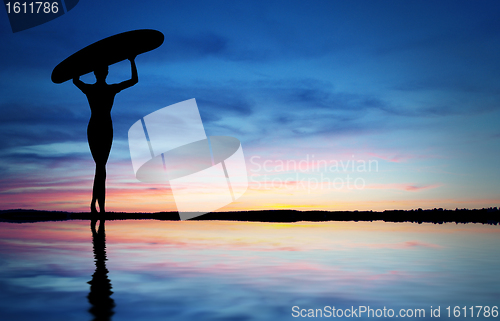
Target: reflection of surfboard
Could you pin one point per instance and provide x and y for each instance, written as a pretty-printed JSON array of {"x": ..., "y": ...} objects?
[{"x": 107, "y": 51}]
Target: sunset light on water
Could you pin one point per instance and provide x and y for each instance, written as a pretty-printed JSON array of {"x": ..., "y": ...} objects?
[{"x": 252, "y": 271}]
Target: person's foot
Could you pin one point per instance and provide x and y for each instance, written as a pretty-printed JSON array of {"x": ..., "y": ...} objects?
[
  {"x": 93, "y": 209},
  {"x": 101, "y": 207}
]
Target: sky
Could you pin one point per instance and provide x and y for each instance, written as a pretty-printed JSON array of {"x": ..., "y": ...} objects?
[{"x": 339, "y": 105}]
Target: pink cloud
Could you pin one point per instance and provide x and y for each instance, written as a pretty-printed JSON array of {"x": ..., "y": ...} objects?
[
  {"x": 400, "y": 157},
  {"x": 411, "y": 187}
]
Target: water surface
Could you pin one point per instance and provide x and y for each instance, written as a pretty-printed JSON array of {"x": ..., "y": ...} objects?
[{"x": 213, "y": 270}]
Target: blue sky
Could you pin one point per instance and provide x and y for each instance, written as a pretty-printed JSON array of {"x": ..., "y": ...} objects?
[{"x": 413, "y": 85}]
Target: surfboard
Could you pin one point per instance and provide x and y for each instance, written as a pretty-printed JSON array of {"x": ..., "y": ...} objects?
[{"x": 107, "y": 51}]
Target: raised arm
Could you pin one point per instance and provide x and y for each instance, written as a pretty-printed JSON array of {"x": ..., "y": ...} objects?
[
  {"x": 78, "y": 83},
  {"x": 132, "y": 81}
]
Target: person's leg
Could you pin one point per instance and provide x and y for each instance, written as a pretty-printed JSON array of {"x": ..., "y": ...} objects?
[
  {"x": 100, "y": 138},
  {"x": 93, "y": 139},
  {"x": 100, "y": 186},
  {"x": 93, "y": 208}
]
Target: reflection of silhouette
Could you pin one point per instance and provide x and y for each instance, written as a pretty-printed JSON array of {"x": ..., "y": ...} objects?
[
  {"x": 100, "y": 129},
  {"x": 100, "y": 286}
]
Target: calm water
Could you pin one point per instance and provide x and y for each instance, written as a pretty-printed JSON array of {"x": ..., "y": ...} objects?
[{"x": 155, "y": 270}]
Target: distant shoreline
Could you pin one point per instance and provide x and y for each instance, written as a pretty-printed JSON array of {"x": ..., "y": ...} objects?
[{"x": 437, "y": 216}]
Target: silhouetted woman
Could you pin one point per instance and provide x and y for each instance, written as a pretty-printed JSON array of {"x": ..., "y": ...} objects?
[{"x": 100, "y": 129}]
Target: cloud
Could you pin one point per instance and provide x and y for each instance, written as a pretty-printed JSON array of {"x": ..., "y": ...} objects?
[
  {"x": 215, "y": 101},
  {"x": 15, "y": 135},
  {"x": 398, "y": 156},
  {"x": 50, "y": 150},
  {"x": 410, "y": 187}
]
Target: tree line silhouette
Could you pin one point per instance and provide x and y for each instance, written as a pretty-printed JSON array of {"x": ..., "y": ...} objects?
[{"x": 489, "y": 215}]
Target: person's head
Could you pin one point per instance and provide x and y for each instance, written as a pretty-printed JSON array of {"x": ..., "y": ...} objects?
[{"x": 101, "y": 73}]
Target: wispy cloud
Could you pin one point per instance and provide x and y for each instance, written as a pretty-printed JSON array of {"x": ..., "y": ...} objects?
[{"x": 401, "y": 186}]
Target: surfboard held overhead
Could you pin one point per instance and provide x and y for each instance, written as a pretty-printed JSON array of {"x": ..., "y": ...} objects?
[{"x": 107, "y": 51}]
